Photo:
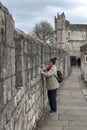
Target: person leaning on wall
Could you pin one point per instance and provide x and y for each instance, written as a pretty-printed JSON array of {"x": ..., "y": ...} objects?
[{"x": 51, "y": 84}]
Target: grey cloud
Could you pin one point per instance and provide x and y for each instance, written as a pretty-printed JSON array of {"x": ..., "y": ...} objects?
[
  {"x": 27, "y": 13},
  {"x": 37, "y": 5}
]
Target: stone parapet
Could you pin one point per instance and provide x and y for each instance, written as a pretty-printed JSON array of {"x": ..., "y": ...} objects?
[{"x": 23, "y": 95}]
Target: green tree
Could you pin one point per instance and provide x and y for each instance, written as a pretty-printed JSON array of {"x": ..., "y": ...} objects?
[{"x": 44, "y": 32}]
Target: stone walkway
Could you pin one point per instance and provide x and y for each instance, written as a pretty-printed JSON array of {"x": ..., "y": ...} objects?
[{"x": 72, "y": 106}]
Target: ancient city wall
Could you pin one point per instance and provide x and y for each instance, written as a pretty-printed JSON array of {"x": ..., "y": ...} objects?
[
  {"x": 83, "y": 50},
  {"x": 22, "y": 89}
]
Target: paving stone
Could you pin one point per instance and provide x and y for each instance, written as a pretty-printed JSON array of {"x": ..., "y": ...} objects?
[
  {"x": 80, "y": 104},
  {"x": 73, "y": 112},
  {"x": 54, "y": 117},
  {"x": 72, "y": 108},
  {"x": 75, "y": 128},
  {"x": 73, "y": 118},
  {"x": 76, "y": 124},
  {"x": 56, "y": 123},
  {"x": 51, "y": 128}
]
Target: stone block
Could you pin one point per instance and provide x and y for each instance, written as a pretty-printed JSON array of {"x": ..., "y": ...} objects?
[
  {"x": 2, "y": 119},
  {"x": 19, "y": 79},
  {"x": 75, "y": 128},
  {"x": 7, "y": 62},
  {"x": 12, "y": 61},
  {"x": 9, "y": 90},
  {"x": 13, "y": 85},
  {"x": 18, "y": 62},
  {"x": 9, "y": 26},
  {"x": 1, "y": 95},
  {"x": 51, "y": 128}
]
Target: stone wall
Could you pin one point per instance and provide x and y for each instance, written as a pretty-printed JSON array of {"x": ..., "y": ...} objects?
[
  {"x": 84, "y": 61},
  {"x": 22, "y": 89}
]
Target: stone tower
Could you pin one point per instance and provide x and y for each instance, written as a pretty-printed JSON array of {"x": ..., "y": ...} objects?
[
  {"x": 59, "y": 29},
  {"x": 69, "y": 36}
]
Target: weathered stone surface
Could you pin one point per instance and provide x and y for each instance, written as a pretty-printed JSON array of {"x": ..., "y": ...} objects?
[
  {"x": 56, "y": 123},
  {"x": 51, "y": 128},
  {"x": 75, "y": 128},
  {"x": 73, "y": 117},
  {"x": 23, "y": 95},
  {"x": 83, "y": 50},
  {"x": 80, "y": 124},
  {"x": 1, "y": 95}
]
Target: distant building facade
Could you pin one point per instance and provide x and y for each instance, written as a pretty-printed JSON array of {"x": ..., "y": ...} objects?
[{"x": 69, "y": 36}]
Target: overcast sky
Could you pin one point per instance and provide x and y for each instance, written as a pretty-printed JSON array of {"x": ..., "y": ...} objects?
[{"x": 26, "y": 13}]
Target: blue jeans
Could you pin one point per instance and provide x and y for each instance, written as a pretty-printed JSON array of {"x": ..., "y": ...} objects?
[{"x": 52, "y": 94}]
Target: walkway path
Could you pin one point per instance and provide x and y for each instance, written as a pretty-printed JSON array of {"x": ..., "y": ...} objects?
[{"x": 72, "y": 106}]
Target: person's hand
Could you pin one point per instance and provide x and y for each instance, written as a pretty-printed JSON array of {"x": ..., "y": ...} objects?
[
  {"x": 39, "y": 70},
  {"x": 42, "y": 72}
]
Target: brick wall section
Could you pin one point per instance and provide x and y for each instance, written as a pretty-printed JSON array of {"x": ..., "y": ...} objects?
[{"x": 22, "y": 89}]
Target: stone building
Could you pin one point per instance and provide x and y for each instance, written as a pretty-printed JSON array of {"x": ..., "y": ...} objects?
[
  {"x": 83, "y": 50},
  {"x": 69, "y": 36}
]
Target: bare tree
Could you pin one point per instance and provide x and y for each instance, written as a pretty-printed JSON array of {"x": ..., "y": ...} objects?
[{"x": 44, "y": 31}]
